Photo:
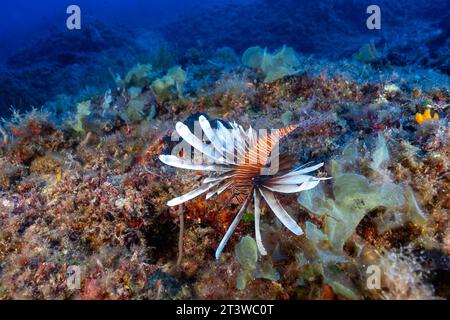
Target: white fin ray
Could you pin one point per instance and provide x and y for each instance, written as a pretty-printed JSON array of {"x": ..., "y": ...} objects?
[
  {"x": 239, "y": 144},
  {"x": 225, "y": 137},
  {"x": 259, "y": 243},
  {"x": 210, "y": 194},
  {"x": 289, "y": 188},
  {"x": 174, "y": 161},
  {"x": 224, "y": 187},
  {"x": 208, "y": 150},
  {"x": 219, "y": 190},
  {"x": 215, "y": 141},
  {"x": 279, "y": 211},
  {"x": 295, "y": 179},
  {"x": 191, "y": 195},
  {"x": 302, "y": 171},
  {"x": 231, "y": 228},
  {"x": 252, "y": 137}
]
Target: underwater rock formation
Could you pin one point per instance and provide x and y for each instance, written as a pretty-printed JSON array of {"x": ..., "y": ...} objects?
[
  {"x": 81, "y": 63},
  {"x": 331, "y": 29},
  {"x": 82, "y": 184}
]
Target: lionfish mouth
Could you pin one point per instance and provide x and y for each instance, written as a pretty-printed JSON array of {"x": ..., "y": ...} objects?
[{"x": 246, "y": 165}]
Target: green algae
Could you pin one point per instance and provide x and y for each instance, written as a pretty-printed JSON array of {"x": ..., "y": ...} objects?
[
  {"x": 275, "y": 66},
  {"x": 139, "y": 76},
  {"x": 354, "y": 197},
  {"x": 247, "y": 255},
  {"x": 83, "y": 111},
  {"x": 175, "y": 78}
]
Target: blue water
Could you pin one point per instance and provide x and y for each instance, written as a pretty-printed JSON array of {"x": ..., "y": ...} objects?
[
  {"x": 23, "y": 20},
  {"x": 40, "y": 58}
]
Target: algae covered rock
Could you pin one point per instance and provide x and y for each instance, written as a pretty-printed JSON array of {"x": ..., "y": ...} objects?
[
  {"x": 354, "y": 197},
  {"x": 140, "y": 76},
  {"x": 135, "y": 109},
  {"x": 175, "y": 79},
  {"x": 247, "y": 255},
  {"x": 83, "y": 111},
  {"x": 274, "y": 66},
  {"x": 367, "y": 54}
]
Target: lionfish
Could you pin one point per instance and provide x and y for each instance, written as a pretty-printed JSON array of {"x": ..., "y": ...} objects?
[{"x": 241, "y": 163}]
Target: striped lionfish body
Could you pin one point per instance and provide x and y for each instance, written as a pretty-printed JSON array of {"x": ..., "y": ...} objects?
[
  {"x": 247, "y": 173},
  {"x": 248, "y": 167}
]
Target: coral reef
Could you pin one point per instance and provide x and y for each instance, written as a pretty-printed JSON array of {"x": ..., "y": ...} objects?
[{"x": 81, "y": 184}]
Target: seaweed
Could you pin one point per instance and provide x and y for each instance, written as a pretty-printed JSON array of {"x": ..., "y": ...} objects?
[{"x": 275, "y": 66}]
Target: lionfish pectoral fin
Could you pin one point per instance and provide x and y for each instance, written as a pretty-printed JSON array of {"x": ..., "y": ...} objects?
[
  {"x": 301, "y": 171},
  {"x": 208, "y": 150},
  {"x": 289, "y": 188},
  {"x": 279, "y": 211},
  {"x": 215, "y": 141},
  {"x": 231, "y": 228},
  {"x": 259, "y": 243},
  {"x": 191, "y": 195},
  {"x": 176, "y": 162}
]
